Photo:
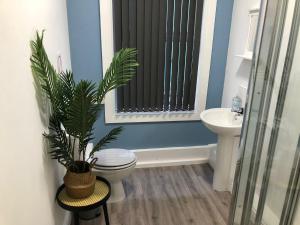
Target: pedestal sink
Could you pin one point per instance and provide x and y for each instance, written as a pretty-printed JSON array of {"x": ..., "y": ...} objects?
[{"x": 227, "y": 125}]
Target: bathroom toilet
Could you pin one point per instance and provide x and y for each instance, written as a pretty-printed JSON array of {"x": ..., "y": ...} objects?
[{"x": 115, "y": 164}]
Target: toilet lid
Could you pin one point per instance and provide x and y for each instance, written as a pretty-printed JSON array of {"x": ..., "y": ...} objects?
[{"x": 114, "y": 157}]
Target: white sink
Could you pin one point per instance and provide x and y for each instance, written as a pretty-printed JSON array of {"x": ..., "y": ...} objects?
[
  {"x": 228, "y": 127},
  {"x": 222, "y": 121}
]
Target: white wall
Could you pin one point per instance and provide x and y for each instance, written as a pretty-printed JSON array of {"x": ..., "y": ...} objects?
[
  {"x": 237, "y": 69},
  {"x": 28, "y": 179}
]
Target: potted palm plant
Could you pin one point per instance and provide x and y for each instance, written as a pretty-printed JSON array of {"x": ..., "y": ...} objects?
[{"x": 74, "y": 108}]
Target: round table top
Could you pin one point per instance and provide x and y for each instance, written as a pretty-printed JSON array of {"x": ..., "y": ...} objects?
[{"x": 99, "y": 197}]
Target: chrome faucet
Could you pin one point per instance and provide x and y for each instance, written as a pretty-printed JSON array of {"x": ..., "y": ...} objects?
[{"x": 238, "y": 112}]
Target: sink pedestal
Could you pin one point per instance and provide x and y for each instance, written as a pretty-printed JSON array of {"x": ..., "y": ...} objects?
[{"x": 225, "y": 163}]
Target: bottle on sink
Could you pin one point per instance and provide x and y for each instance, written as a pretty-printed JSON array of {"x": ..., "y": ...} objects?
[{"x": 236, "y": 104}]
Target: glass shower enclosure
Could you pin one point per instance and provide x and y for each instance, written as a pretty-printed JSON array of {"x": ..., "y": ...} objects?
[{"x": 267, "y": 179}]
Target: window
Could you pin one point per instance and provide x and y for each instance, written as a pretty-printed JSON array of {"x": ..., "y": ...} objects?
[{"x": 174, "y": 42}]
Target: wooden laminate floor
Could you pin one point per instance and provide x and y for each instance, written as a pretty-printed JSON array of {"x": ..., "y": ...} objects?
[{"x": 169, "y": 196}]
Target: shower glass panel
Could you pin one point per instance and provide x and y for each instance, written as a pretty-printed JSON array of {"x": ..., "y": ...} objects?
[{"x": 267, "y": 179}]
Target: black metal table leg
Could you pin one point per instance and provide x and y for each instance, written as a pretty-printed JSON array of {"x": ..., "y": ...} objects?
[
  {"x": 76, "y": 218},
  {"x": 105, "y": 214}
]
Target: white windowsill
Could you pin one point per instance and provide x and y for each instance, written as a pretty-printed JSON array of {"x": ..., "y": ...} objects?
[{"x": 144, "y": 117}]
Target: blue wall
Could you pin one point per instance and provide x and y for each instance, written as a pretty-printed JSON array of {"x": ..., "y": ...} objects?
[{"x": 84, "y": 31}]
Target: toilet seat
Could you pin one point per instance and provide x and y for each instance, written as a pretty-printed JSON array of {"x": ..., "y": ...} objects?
[{"x": 114, "y": 159}]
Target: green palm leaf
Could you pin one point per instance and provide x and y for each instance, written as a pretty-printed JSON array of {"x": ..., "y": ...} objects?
[
  {"x": 112, "y": 135},
  {"x": 121, "y": 70},
  {"x": 66, "y": 90},
  {"x": 82, "y": 113},
  {"x": 43, "y": 70},
  {"x": 61, "y": 146}
]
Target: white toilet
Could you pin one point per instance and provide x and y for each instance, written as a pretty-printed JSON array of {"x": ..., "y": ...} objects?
[{"x": 114, "y": 165}]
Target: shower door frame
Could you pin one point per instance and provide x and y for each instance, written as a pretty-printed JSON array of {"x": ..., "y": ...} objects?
[{"x": 266, "y": 89}]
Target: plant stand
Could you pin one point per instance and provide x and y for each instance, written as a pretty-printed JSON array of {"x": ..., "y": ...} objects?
[{"x": 98, "y": 198}]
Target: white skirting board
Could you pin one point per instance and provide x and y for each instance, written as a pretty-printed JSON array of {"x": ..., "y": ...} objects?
[{"x": 173, "y": 156}]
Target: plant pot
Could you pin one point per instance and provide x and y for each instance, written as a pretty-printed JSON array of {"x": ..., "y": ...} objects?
[{"x": 80, "y": 184}]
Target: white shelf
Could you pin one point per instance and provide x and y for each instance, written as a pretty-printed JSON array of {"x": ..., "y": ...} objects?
[{"x": 246, "y": 55}]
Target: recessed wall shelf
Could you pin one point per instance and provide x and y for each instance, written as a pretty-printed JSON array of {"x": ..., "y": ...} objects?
[{"x": 253, "y": 21}]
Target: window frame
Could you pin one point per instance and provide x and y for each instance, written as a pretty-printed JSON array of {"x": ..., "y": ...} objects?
[{"x": 206, "y": 44}]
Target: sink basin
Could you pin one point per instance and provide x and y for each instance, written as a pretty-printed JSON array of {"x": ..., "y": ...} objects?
[{"x": 222, "y": 121}]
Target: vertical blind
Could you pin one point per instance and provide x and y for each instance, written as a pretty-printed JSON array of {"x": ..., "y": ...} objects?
[{"x": 166, "y": 34}]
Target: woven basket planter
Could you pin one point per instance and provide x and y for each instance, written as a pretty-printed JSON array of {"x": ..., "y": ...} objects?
[{"x": 80, "y": 185}]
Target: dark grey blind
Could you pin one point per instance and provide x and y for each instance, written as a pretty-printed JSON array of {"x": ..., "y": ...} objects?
[{"x": 167, "y": 35}]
